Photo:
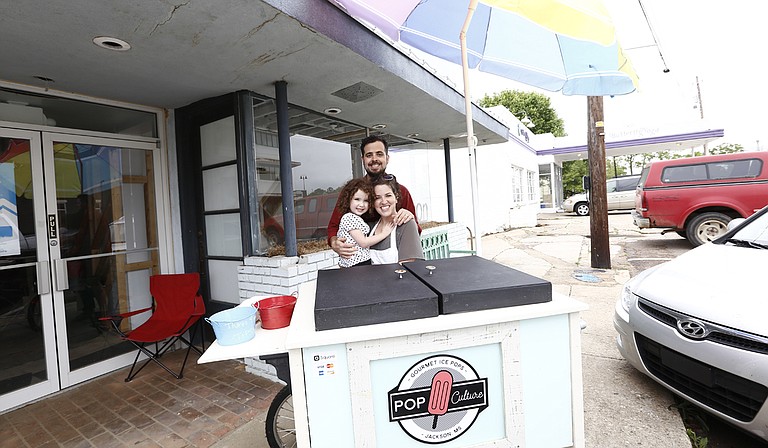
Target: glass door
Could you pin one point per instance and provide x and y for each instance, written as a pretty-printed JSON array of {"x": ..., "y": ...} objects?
[
  {"x": 103, "y": 244},
  {"x": 78, "y": 241},
  {"x": 26, "y": 307}
]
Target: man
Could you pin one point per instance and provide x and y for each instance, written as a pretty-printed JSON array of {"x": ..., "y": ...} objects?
[{"x": 375, "y": 152}]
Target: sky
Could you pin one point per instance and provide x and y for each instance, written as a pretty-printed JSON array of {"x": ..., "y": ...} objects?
[{"x": 720, "y": 44}]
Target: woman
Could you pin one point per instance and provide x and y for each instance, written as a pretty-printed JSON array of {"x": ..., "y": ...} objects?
[{"x": 404, "y": 243}]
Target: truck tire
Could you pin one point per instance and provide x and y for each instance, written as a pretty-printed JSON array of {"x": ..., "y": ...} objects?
[{"x": 706, "y": 227}]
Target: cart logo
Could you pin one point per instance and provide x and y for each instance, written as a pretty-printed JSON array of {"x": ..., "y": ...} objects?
[{"x": 438, "y": 399}]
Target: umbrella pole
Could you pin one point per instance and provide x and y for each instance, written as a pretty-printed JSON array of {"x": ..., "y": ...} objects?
[{"x": 471, "y": 141}]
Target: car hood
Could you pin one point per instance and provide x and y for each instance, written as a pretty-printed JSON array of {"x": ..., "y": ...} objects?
[{"x": 714, "y": 282}]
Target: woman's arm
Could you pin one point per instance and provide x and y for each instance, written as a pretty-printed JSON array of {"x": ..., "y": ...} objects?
[
  {"x": 409, "y": 243},
  {"x": 368, "y": 241}
]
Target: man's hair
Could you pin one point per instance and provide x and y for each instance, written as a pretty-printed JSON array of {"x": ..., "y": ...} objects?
[
  {"x": 391, "y": 181},
  {"x": 371, "y": 139},
  {"x": 348, "y": 191}
]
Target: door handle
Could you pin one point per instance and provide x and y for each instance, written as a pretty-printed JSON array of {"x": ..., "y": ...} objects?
[
  {"x": 43, "y": 277},
  {"x": 61, "y": 276}
]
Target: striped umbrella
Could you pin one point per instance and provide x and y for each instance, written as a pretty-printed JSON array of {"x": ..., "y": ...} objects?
[{"x": 555, "y": 45}]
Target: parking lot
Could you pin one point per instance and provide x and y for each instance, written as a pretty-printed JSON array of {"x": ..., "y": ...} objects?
[{"x": 558, "y": 249}]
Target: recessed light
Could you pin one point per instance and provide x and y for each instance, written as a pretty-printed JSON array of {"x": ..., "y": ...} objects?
[
  {"x": 379, "y": 126},
  {"x": 413, "y": 135},
  {"x": 332, "y": 111},
  {"x": 111, "y": 43}
]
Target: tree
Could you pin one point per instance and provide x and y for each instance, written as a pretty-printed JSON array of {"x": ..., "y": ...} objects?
[
  {"x": 537, "y": 107},
  {"x": 725, "y": 148},
  {"x": 573, "y": 172}
]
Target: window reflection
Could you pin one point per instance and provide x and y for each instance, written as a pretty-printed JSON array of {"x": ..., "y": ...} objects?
[{"x": 320, "y": 168}]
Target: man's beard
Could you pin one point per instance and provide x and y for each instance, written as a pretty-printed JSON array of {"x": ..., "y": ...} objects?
[{"x": 375, "y": 175}]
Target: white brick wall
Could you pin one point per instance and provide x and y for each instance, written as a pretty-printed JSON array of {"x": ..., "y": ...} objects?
[{"x": 281, "y": 275}]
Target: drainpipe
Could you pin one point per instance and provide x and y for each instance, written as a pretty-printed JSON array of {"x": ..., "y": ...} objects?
[{"x": 286, "y": 175}]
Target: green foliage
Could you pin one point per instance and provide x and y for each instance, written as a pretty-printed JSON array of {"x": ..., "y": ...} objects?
[
  {"x": 573, "y": 171},
  {"x": 614, "y": 167},
  {"x": 697, "y": 441},
  {"x": 725, "y": 148},
  {"x": 537, "y": 107},
  {"x": 695, "y": 422}
]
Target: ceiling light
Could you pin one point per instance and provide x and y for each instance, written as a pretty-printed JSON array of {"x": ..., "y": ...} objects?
[
  {"x": 413, "y": 135},
  {"x": 379, "y": 126},
  {"x": 332, "y": 111},
  {"x": 111, "y": 43}
]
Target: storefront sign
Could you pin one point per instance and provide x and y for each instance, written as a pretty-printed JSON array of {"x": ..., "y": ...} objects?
[{"x": 438, "y": 399}]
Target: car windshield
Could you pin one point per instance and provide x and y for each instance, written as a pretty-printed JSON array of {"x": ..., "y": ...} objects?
[{"x": 755, "y": 232}]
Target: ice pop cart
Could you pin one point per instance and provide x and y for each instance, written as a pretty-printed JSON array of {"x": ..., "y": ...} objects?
[{"x": 459, "y": 352}]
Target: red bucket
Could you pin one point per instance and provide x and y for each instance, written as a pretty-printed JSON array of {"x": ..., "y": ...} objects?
[{"x": 275, "y": 312}]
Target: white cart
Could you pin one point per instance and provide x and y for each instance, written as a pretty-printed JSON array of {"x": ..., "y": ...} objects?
[{"x": 515, "y": 374}]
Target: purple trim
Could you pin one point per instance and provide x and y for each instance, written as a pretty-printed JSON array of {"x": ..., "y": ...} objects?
[
  {"x": 712, "y": 133},
  {"x": 520, "y": 141}
]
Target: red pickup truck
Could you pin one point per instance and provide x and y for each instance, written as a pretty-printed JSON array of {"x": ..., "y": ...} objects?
[{"x": 697, "y": 197}]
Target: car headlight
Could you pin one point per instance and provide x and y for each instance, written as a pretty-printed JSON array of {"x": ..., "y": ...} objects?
[{"x": 626, "y": 297}]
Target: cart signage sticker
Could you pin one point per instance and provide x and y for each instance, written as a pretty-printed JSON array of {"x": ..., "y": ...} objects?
[
  {"x": 324, "y": 364},
  {"x": 438, "y": 399}
]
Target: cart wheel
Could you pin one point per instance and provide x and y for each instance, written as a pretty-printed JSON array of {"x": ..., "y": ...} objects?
[{"x": 280, "y": 425}]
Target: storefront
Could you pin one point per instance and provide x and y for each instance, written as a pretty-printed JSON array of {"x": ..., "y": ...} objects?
[{"x": 172, "y": 147}]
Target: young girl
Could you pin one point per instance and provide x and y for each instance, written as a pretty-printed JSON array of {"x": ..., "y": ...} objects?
[{"x": 355, "y": 202}]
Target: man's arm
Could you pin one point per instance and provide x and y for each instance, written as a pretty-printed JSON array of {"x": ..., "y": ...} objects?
[
  {"x": 406, "y": 202},
  {"x": 333, "y": 225}
]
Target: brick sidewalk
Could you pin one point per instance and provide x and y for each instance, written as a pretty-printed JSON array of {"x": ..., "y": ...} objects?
[{"x": 153, "y": 410}]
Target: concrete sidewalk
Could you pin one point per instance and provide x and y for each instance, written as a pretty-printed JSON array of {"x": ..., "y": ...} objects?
[{"x": 622, "y": 407}]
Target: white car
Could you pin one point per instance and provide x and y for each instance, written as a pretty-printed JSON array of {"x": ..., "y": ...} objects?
[
  {"x": 698, "y": 325},
  {"x": 620, "y": 195}
]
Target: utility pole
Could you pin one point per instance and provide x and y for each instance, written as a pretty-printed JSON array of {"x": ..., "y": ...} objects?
[
  {"x": 701, "y": 107},
  {"x": 598, "y": 197}
]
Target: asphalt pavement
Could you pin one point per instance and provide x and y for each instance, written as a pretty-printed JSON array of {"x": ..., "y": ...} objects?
[{"x": 622, "y": 407}]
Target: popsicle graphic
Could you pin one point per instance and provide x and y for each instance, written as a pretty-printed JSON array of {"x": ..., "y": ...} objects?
[{"x": 440, "y": 394}]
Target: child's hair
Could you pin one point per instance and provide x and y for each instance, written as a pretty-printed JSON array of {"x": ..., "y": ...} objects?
[
  {"x": 387, "y": 179},
  {"x": 348, "y": 191}
]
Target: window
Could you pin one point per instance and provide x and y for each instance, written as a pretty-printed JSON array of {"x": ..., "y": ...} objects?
[
  {"x": 627, "y": 183},
  {"x": 684, "y": 173},
  {"x": 517, "y": 184},
  {"x": 531, "y": 186},
  {"x": 733, "y": 169}
]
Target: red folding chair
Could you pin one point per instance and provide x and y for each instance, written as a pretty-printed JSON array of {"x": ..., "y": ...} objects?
[{"x": 177, "y": 307}]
